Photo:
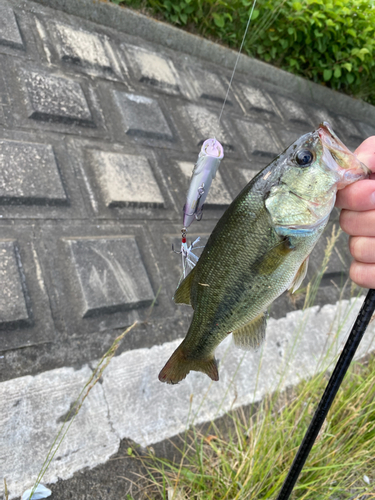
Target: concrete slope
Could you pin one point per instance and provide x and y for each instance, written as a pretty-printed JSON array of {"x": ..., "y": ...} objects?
[{"x": 102, "y": 112}]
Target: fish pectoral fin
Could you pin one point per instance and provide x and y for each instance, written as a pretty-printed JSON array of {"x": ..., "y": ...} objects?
[
  {"x": 182, "y": 294},
  {"x": 299, "y": 277},
  {"x": 252, "y": 335},
  {"x": 275, "y": 256}
]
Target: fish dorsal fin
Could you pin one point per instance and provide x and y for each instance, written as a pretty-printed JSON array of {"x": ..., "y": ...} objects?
[
  {"x": 252, "y": 335},
  {"x": 182, "y": 294},
  {"x": 299, "y": 277}
]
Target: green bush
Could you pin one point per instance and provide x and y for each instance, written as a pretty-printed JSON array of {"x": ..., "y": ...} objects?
[
  {"x": 331, "y": 42},
  {"x": 328, "y": 41}
]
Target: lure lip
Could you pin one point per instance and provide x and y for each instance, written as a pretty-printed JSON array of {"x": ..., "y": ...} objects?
[
  {"x": 212, "y": 147},
  {"x": 339, "y": 158}
]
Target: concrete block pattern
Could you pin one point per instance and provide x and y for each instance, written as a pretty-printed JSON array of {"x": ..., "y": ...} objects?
[
  {"x": 205, "y": 124},
  {"x": 142, "y": 116},
  {"x": 99, "y": 132},
  {"x": 367, "y": 129},
  {"x": 257, "y": 99},
  {"x": 288, "y": 136},
  {"x": 82, "y": 48},
  {"x": 9, "y": 31},
  {"x": 153, "y": 69},
  {"x": 56, "y": 99},
  {"x": 25, "y": 316},
  {"x": 29, "y": 174},
  {"x": 4, "y": 98},
  {"x": 292, "y": 111},
  {"x": 208, "y": 85},
  {"x": 257, "y": 138},
  {"x": 320, "y": 115},
  {"x": 111, "y": 275},
  {"x": 13, "y": 308},
  {"x": 126, "y": 180},
  {"x": 347, "y": 127},
  {"x": 248, "y": 175}
]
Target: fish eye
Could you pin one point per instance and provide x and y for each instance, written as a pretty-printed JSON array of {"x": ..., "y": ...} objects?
[{"x": 304, "y": 157}]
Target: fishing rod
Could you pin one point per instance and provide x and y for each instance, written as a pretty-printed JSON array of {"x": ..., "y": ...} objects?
[{"x": 363, "y": 319}]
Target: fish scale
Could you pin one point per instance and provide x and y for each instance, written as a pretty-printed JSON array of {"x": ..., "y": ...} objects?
[
  {"x": 245, "y": 277},
  {"x": 260, "y": 248}
]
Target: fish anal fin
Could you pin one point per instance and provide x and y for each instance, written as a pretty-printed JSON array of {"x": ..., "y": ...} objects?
[
  {"x": 299, "y": 277},
  {"x": 252, "y": 335},
  {"x": 179, "y": 365},
  {"x": 182, "y": 294}
]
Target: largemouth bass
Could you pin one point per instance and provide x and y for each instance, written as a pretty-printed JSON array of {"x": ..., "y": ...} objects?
[{"x": 259, "y": 248}]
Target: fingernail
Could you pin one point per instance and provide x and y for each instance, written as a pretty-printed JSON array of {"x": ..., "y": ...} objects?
[{"x": 372, "y": 198}]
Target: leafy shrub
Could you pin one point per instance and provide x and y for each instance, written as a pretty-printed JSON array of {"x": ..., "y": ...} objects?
[{"x": 328, "y": 41}]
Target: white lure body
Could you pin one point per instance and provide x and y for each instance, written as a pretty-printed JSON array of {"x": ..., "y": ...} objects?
[{"x": 204, "y": 172}]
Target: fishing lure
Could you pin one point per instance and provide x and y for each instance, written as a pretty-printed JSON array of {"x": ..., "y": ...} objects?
[{"x": 204, "y": 172}]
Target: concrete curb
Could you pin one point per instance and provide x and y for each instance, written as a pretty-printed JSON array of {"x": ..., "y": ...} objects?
[
  {"x": 136, "y": 24},
  {"x": 128, "y": 383}
]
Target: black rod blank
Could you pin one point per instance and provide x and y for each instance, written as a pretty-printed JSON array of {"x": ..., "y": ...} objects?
[{"x": 354, "y": 339}]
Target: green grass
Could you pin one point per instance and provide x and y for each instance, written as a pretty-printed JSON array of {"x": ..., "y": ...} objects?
[
  {"x": 247, "y": 454},
  {"x": 331, "y": 42},
  {"x": 249, "y": 458}
]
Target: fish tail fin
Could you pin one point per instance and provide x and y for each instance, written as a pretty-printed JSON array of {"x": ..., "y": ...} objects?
[{"x": 178, "y": 366}]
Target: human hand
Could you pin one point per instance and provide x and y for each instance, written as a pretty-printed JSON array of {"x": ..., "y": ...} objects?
[{"x": 358, "y": 218}]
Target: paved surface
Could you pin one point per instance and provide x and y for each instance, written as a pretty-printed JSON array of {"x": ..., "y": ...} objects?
[{"x": 102, "y": 112}]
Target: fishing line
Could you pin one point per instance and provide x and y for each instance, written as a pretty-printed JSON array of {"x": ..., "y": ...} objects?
[
  {"x": 238, "y": 57},
  {"x": 266, "y": 21},
  {"x": 204, "y": 171}
]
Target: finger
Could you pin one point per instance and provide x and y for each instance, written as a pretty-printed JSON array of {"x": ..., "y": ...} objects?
[
  {"x": 362, "y": 249},
  {"x": 358, "y": 196},
  {"x": 363, "y": 274},
  {"x": 358, "y": 223},
  {"x": 366, "y": 153}
]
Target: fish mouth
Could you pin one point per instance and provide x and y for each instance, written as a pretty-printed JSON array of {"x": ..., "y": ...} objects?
[{"x": 339, "y": 158}]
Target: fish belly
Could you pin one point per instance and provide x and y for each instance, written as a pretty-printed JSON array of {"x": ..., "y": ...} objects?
[{"x": 236, "y": 286}]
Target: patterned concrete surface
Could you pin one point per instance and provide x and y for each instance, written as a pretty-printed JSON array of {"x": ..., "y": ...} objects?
[{"x": 102, "y": 112}]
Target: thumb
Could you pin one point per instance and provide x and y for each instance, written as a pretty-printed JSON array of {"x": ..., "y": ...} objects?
[{"x": 366, "y": 153}]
